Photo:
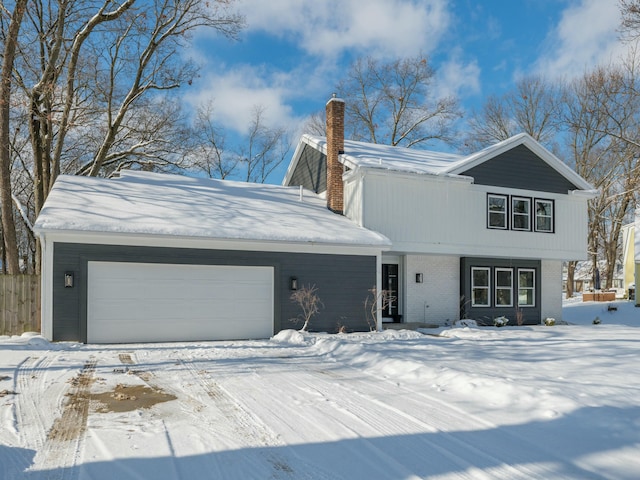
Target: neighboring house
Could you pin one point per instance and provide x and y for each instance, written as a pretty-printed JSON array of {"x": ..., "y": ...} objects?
[
  {"x": 473, "y": 236},
  {"x": 583, "y": 277},
  {"x": 152, "y": 257},
  {"x": 628, "y": 257}
]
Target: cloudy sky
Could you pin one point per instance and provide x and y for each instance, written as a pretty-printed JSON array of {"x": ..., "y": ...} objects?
[{"x": 293, "y": 52}]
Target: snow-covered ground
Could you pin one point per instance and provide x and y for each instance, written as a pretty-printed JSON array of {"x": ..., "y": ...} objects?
[{"x": 474, "y": 403}]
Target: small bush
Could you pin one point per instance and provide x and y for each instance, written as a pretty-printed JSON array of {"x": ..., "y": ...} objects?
[
  {"x": 309, "y": 302},
  {"x": 596, "y": 321},
  {"x": 500, "y": 321},
  {"x": 549, "y": 322}
]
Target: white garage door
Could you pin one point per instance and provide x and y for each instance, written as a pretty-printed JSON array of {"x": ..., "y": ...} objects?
[{"x": 145, "y": 302}]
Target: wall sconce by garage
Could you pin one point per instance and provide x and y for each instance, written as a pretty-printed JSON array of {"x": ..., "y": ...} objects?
[
  {"x": 418, "y": 278},
  {"x": 293, "y": 283},
  {"x": 68, "y": 279}
]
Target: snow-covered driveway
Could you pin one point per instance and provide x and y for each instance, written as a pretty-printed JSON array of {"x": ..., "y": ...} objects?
[{"x": 511, "y": 403}]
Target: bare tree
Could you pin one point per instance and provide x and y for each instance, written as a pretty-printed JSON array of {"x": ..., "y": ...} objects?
[
  {"x": 265, "y": 148},
  {"x": 309, "y": 302},
  {"x": 391, "y": 103},
  {"x": 532, "y": 107},
  {"x": 10, "y": 251},
  {"x": 630, "y": 24},
  {"x": 602, "y": 113},
  {"x": 251, "y": 157},
  {"x": 209, "y": 154},
  {"x": 94, "y": 78}
]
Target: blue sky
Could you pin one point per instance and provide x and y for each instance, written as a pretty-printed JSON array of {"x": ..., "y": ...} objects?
[{"x": 293, "y": 52}]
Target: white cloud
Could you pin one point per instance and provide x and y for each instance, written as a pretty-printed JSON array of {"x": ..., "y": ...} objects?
[
  {"x": 587, "y": 35},
  {"x": 330, "y": 27},
  {"x": 458, "y": 79},
  {"x": 235, "y": 94}
]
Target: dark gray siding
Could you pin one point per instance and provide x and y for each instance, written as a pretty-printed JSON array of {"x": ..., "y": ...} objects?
[
  {"x": 311, "y": 170},
  {"x": 520, "y": 168},
  {"x": 342, "y": 281},
  {"x": 485, "y": 315}
]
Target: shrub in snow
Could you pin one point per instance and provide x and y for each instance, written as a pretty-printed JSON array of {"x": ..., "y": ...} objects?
[
  {"x": 309, "y": 301},
  {"x": 465, "y": 322},
  {"x": 596, "y": 321},
  {"x": 549, "y": 322},
  {"x": 500, "y": 321},
  {"x": 371, "y": 310}
]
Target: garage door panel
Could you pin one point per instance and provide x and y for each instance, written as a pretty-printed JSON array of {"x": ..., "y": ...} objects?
[{"x": 135, "y": 302}]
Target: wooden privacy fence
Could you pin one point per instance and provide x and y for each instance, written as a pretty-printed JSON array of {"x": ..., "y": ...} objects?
[{"x": 19, "y": 304}]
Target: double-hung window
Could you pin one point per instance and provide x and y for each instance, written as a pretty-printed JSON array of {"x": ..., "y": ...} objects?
[
  {"x": 497, "y": 211},
  {"x": 526, "y": 287},
  {"x": 480, "y": 289},
  {"x": 504, "y": 287},
  {"x": 521, "y": 213},
  {"x": 544, "y": 215}
]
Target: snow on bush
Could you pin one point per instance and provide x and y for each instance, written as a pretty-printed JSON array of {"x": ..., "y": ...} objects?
[
  {"x": 500, "y": 321},
  {"x": 549, "y": 322}
]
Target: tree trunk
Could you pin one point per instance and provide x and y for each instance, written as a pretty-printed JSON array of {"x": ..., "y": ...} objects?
[
  {"x": 8, "y": 220},
  {"x": 571, "y": 274}
]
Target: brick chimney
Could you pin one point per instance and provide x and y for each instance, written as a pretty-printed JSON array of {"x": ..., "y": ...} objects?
[{"x": 335, "y": 146}]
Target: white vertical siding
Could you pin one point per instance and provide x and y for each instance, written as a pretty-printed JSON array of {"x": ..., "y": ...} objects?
[
  {"x": 427, "y": 214},
  {"x": 551, "y": 289},
  {"x": 437, "y": 299},
  {"x": 353, "y": 197}
]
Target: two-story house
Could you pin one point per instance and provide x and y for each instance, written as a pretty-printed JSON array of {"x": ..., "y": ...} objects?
[
  {"x": 154, "y": 257},
  {"x": 473, "y": 236}
]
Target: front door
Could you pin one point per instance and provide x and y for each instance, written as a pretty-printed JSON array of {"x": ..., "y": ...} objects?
[{"x": 390, "y": 284}]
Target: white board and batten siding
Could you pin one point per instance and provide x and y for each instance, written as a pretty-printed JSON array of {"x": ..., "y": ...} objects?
[
  {"x": 427, "y": 214},
  {"x": 149, "y": 302}
]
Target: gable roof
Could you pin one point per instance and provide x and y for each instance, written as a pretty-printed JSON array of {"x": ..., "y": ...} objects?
[
  {"x": 425, "y": 162},
  {"x": 171, "y": 205}
]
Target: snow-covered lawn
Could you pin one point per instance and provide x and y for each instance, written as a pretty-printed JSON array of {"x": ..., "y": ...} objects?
[{"x": 474, "y": 403}]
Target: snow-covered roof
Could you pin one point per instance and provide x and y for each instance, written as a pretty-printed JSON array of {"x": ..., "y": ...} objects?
[
  {"x": 173, "y": 205},
  {"x": 387, "y": 157},
  {"x": 426, "y": 162}
]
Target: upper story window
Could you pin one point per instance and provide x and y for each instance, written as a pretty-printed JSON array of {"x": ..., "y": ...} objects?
[
  {"x": 524, "y": 214},
  {"x": 497, "y": 211},
  {"x": 544, "y": 215},
  {"x": 521, "y": 213}
]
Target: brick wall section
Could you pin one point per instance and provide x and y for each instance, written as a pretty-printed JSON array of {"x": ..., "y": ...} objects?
[{"x": 335, "y": 145}]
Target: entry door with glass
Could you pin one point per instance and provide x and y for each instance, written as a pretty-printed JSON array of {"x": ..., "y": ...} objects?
[{"x": 390, "y": 283}]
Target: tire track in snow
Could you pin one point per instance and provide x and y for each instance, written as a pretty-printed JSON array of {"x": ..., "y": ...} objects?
[
  {"x": 248, "y": 430},
  {"x": 423, "y": 429},
  {"x": 27, "y": 422},
  {"x": 63, "y": 441},
  {"x": 512, "y": 451},
  {"x": 252, "y": 432}
]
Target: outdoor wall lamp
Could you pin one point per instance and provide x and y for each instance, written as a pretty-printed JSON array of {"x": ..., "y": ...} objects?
[
  {"x": 418, "y": 278},
  {"x": 293, "y": 283},
  {"x": 68, "y": 279}
]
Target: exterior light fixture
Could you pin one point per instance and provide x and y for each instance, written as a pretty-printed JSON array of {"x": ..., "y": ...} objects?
[
  {"x": 293, "y": 283},
  {"x": 68, "y": 279},
  {"x": 418, "y": 278}
]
